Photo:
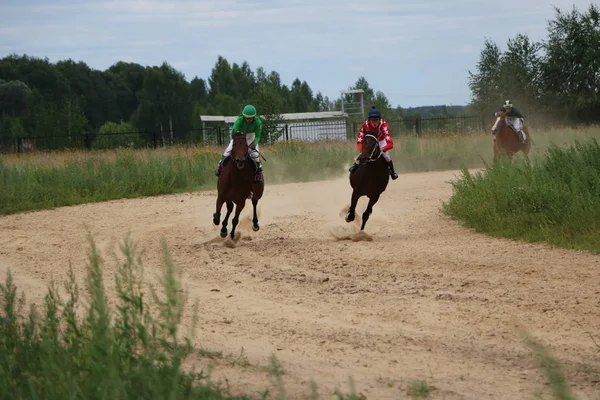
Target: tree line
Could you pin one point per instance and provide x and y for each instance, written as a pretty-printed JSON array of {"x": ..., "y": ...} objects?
[
  {"x": 43, "y": 99},
  {"x": 68, "y": 98},
  {"x": 559, "y": 75}
]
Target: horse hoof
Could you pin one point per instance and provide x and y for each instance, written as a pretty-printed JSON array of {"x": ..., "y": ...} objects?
[
  {"x": 349, "y": 218},
  {"x": 223, "y": 234},
  {"x": 255, "y": 228},
  {"x": 216, "y": 219}
]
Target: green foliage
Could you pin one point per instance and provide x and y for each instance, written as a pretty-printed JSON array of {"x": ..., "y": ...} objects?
[
  {"x": 70, "y": 98},
  {"x": 369, "y": 96},
  {"x": 60, "y": 120},
  {"x": 560, "y": 74},
  {"x": 514, "y": 75},
  {"x": 554, "y": 199},
  {"x": 552, "y": 368},
  {"x": 41, "y": 180},
  {"x": 131, "y": 350},
  {"x": 112, "y": 135},
  {"x": 11, "y": 127},
  {"x": 571, "y": 69},
  {"x": 14, "y": 98},
  {"x": 99, "y": 176},
  {"x": 165, "y": 103},
  {"x": 269, "y": 105},
  {"x": 95, "y": 179}
]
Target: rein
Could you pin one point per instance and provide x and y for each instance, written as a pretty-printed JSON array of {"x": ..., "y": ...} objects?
[{"x": 375, "y": 148}]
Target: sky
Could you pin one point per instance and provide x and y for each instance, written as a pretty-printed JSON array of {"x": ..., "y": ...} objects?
[{"x": 415, "y": 52}]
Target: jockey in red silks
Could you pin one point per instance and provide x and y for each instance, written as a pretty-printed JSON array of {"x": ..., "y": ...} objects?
[{"x": 376, "y": 124}]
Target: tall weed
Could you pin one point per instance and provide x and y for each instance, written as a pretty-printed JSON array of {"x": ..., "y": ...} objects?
[{"x": 555, "y": 198}]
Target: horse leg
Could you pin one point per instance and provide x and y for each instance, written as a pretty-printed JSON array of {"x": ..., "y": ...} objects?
[
  {"x": 217, "y": 214},
  {"x": 353, "y": 201},
  {"x": 226, "y": 219},
  {"x": 236, "y": 218},
  {"x": 255, "y": 226},
  {"x": 368, "y": 211}
]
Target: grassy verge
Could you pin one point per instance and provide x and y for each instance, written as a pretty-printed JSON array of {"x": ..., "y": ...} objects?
[
  {"x": 123, "y": 352},
  {"x": 45, "y": 180},
  {"x": 555, "y": 198},
  {"x": 92, "y": 347}
]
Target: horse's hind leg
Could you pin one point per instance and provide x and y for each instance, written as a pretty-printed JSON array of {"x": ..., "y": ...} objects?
[
  {"x": 236, "y": 218},
  {"x": 226, "y": 219},
  {"x": 255, "y": 226},
  {"x": 353, "y": 201},
  {"x": 368, "y": 211}
]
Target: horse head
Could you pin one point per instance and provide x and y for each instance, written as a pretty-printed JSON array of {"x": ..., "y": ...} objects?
[
  {"x": 499, "y": 122},
  {"x": 370, "y": 148},
  {"x": 239, "y": 151}
]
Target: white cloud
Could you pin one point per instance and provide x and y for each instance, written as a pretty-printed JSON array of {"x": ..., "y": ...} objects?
[{"x": 327, "y": 43}]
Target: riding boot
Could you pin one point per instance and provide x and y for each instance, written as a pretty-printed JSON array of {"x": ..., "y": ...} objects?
[
  {"x": 259, "y": 176},
  {"x": 353, "y": 168},
  {"x": 218, "y": 171},
  {"x": 522, "y": 137},
  {"x": 393, "y": 173}
]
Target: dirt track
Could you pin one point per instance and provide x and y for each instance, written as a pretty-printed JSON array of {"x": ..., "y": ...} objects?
[{"x": 426, "y": 299}]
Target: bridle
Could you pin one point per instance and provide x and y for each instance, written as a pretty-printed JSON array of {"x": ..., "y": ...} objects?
[{"x": 375, "y": 150}]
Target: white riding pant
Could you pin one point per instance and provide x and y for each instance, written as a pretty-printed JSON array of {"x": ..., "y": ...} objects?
[
  {"x": 517, "y": 123},
  {"x": 514, "y": 122},
  {"x": 254, "y": 151},
  {"x": 386, "y": 154}
]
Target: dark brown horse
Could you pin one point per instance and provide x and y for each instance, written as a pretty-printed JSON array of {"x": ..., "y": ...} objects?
[
  {"x": 236, "y": 184},
  {"x": 506, "y": 141},
  {"x": 370, "y": 178}
]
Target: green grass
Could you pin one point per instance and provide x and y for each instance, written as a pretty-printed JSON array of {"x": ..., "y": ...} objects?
[
  {"x": 551, "y": 368},
  {"x": 45, "y": 180},
  {"x": 33, "y": 186},
  {"x": 554, "y": 198},
  {"x": 133, "y": 350}
]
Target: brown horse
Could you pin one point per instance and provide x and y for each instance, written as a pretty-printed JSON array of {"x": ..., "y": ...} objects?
[
  {"x": 506, "y": 141},
  {"x": 370, "y": 178},
  {"x": 236, "y": 184}
]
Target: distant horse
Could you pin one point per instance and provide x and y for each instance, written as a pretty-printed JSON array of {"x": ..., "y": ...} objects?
[
  {"x": 236, "y": 184},
  {"x": 370, "y": 178},
  {"x": 506, "y": 140}
]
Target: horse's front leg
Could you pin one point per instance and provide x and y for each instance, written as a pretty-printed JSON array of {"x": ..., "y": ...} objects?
[
  {"x": 236, "y": 218},
  {"x": 368, "y": 211},
  {"x": 217, "y": 214},
  {"x": 255, "y": 226},
  {"x": 353, "y": 201},
  {"x": 226, "y": 219}
]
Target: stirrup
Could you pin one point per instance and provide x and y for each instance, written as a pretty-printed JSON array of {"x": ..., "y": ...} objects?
[
  {"x": 258, "y": 178},
  {"x": 218, "y": 171}
]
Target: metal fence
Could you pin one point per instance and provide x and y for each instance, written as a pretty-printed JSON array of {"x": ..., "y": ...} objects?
[{"x": 219, "y": 135}]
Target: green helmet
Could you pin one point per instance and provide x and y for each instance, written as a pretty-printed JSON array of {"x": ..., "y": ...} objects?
[{"x": 249, "y": 111}]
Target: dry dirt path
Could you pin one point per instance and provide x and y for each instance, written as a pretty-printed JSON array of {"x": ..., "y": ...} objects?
[{"x": 425, "y": 300}]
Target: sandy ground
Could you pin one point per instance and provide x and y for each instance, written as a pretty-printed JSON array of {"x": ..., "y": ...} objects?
[{"x": 426, "y": 300}]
